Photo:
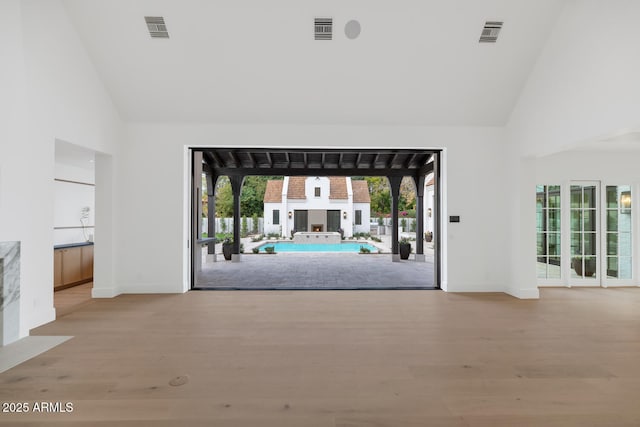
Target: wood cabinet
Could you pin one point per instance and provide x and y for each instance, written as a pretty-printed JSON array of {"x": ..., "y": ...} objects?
[{"x": 72, "y": 266}]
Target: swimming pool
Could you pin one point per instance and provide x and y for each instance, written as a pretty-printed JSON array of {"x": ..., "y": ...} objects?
[{"x": 319, "y": 247}]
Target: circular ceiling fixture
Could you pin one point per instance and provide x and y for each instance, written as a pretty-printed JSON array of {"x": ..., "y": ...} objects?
[{"x": 352, "y": 29}]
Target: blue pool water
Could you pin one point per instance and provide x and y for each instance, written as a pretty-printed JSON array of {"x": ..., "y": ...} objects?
[{"x": 319, "y": 247}]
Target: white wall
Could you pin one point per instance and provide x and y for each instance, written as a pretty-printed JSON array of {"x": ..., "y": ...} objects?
[
  {"x": 50, "y": 90},
  {"x": 269, "y": 226},
  {"x": 365, "y": 227},
  {"x": 583, "y": 88},
  {"x": 475, "y": 248},
  {"x": 69, "y": 200}
]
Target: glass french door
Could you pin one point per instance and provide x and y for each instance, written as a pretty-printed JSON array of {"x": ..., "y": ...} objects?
[
  {"x": 333, "y": 220},
  {"x": 618, "y": 242},
  {"x": 300, "y": 220},
  {"x": 584, "y": 233}
]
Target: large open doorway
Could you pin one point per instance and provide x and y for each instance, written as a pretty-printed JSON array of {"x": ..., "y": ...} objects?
[{"x": 303, "y": 222}]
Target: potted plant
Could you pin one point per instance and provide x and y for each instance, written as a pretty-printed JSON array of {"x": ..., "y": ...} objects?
[
  {"x": 405, "y": 248},
  {"x": 428, "y": 236},
  {"x": 227, "y": 248}
]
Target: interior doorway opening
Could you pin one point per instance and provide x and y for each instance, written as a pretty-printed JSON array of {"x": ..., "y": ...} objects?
[{"x": 295, "y": 217}]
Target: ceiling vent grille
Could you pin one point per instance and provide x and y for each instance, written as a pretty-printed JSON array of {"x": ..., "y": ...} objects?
[
  {"x": 490, "y": 31},
  {"x": 157, "y": 27},
  {"x": 323, "y": 28}
]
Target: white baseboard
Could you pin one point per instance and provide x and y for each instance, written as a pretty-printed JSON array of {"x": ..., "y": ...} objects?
[{"x": 105, "y": 292}]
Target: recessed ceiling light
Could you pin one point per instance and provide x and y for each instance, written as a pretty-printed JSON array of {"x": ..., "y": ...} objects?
[{"x": 352, "y": 29}]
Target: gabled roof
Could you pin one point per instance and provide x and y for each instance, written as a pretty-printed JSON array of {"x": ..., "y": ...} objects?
[
  {"x": 296, "y": 187},
  {"x": 273, "y": 192},
  {"x": 338, "y": 188},
  {"x": 360, "y": 191}
]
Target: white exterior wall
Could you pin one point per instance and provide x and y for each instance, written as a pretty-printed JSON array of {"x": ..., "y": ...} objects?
[
  {"x": 50, "y": 91},
  {"x": 269, "y": 226},
  {"x": 364, "y": 227}
]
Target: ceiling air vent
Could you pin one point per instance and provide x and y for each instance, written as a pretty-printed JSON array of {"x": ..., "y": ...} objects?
[
  {"x": 157, "y": 27},
  {"x": 490, "y": 31},
  {"x": 323, "y": 28}
]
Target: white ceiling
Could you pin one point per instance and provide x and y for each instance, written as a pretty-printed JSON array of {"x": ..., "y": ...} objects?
[{"x": 415, "y": 62}]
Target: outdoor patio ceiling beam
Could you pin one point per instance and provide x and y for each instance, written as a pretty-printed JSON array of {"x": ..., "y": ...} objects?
[
  {"x": 410, "y": 159},
  {"x": 426, "y": 169},
  {"x": 316, "y": 171},
  {"x": 252, "y": 159},
  {"x": 358, "y": 158},
  {"x": 375, "y": 160},
  {"x": 269, "y": 159},
  {"x": 288, "y": 158},
  {"x": 393, "y": 158},
  {"x": 236, "y": 160},
  {"x": 216, "y": 157},
  {"x": 305, "y": 160},
  {"x": 322, "y": 159},
  {"x": 394, "y": 183}
]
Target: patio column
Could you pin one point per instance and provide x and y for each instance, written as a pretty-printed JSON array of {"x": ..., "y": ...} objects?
[
  {"x": 211, "y": 213},
  {"x": 236, "y": 187},
  {"x": 394, "y": 183},
  {"x": 419, "y": 181}
]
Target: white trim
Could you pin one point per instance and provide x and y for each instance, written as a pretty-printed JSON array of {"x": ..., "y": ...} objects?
[{"x": 105, "y": 292}]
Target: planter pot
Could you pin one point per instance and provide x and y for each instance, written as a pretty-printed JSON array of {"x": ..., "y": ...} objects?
[
  {"x": 428, "y": 237},
  {"x": 227, "y": 250},
  {"x": 589, "y": 264},
  {"x": 405, "y": 250}
]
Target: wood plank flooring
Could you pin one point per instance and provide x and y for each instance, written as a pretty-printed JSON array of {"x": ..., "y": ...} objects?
[{"x": 340, "y": 359}]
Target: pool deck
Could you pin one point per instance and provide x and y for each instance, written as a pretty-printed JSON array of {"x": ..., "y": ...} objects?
[{"x": 305, "y": 271}]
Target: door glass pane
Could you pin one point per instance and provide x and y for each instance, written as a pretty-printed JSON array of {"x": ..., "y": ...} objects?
[
  {"x": 576, "y": 243},
  {"x": 554, "y": 219},
  {"x": 554, "y": 244},
  {"x": 624, "y": 271},
  {"x": 612, "y": 220},
  {"x": 612, "y": 197},
  {"x": 576, "y": 220},
  {"x": 542, "y": 246},
  {"x": 612, "y": 267},
  {"x": 554, "y": 197},
  {"x": 589, "y": 197},
  {"x": 576, "y": 197},
  {"x": 589, "y": 220},
  {"x": 589, "y": 243},
  {"x": 612, "y": 244},
  {"x": 624, "y": 244},
  {"x": 589, "y": 267},
  {"x": 553, "y": 268}
]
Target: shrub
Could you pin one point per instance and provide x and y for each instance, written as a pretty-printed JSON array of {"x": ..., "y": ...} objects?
[
  {"x": 257, "y": 238},
  {"x": 375, "y": 239},
  {"x": 255, "y": 250},
  {"x": 364, "y": 250},
  {"x": 244, "y": 227},
  {"x": 254, "y": 223},
  {"x": 270, "y": 249}
]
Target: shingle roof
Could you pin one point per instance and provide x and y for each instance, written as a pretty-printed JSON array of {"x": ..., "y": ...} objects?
[
  {"x": 430, "y": 182},
  {"x": 360, "y": 191},
  {"x": 296, "y": 187},
  {"x": 338, "y": 188},
  {"x": 273, "y": 192}
]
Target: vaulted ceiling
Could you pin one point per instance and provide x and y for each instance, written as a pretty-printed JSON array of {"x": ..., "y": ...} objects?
[{"x": 416, "y": 62}]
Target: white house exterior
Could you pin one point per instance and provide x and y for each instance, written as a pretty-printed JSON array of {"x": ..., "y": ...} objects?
[{"x": 319, "y": 204}]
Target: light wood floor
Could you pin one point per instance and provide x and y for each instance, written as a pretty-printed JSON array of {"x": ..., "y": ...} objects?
[
  {"x": 341, "y": 359},
  {"x": 68, "y": 300}
]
